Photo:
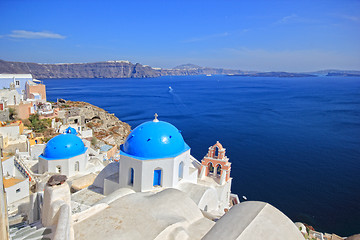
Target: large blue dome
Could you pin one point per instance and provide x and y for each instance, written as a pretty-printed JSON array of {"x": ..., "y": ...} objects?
[
  {"x": 154, "y": 139},
  {"x": 64, "y": 146}
]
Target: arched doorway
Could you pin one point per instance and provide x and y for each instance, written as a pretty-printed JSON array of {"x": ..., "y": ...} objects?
[{"x": 157, "y": 177}]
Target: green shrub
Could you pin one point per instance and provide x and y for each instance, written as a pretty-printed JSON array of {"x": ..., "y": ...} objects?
[{"x": 39, "y": 125}]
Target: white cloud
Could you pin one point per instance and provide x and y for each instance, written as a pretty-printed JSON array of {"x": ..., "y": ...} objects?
[
  {"x": 288, "y": 19},
  {"x": 207, "y": 37},
  {"x": 34, "y": 35},
  {"x": 351, "y": 18}
]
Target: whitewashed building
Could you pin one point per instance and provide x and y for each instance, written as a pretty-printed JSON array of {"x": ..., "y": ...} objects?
[{"x": 15, "y": 183}]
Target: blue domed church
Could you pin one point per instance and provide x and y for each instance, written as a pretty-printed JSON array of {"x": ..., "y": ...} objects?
[
  {"x": 154, "y": 155},
  {"x": 64, "y": 154}
]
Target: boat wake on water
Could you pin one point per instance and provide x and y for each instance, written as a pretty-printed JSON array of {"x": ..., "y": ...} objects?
[{"x": 185, "y": 111}]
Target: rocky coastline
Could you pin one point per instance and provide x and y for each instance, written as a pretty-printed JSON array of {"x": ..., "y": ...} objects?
[{"x": 106, "y": 126}]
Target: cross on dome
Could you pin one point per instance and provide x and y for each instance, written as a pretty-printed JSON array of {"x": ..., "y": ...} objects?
[{"x": 155, "y": 119}]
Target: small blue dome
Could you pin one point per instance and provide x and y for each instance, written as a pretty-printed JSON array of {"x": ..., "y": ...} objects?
[
  {"x": 152, "y": 140},
  {"x": 64, "y": 146},
  {"x": 71, "y": 130}
]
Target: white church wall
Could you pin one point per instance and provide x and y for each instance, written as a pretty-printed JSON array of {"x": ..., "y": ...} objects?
[
  {"x": 188, "y": 175},
  {"x": 223, "y": 193},
  {"x": 67, "y": 166},
  {"x": 53, "y": 166},
  {"x": 167, "y": 174},
  {"x": 144, "y": 172},
  {"x": 75, "y": 168},
  {"x": 126, "y": 163}
]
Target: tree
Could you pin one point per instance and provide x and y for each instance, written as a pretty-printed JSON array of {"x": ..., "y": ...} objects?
[
  {"x": 12, "y": 113},
  {"x": 93, "y": 141}
]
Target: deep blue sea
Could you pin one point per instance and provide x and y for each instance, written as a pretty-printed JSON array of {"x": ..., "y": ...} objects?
[{"x": 293, "y": 142}]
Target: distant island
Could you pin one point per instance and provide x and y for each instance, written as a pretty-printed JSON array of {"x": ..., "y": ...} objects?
[
  {"x": 126, "y": 69},
  {"x": 343, "y": 74},
  {"x": 274, "y": 74}
]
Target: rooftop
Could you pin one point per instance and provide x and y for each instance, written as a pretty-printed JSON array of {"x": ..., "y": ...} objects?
[
  {"x": 6, "y": 156},
  {"x": 8, "y": 182},
  {"x": 146, "y": 216}
]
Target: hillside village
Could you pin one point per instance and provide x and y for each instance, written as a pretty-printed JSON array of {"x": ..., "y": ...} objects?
[{"x": 63, "y": 177}]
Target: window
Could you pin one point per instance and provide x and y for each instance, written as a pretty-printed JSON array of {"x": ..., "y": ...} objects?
[
  {"x": 181, "y": 170},
  {"x": 18, "y": 190},
  {"x": 17, "y": 83},
  {"x": 77, "y": 166},
  {"x": 58, "y": 169},
  {"x": 131, "y": 177}
]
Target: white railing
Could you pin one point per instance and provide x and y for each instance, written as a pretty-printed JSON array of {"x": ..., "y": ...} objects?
[{"x": 19, "y": 164}]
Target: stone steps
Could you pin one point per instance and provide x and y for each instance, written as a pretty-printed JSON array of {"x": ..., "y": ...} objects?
[{"x": 34, "y": 231}]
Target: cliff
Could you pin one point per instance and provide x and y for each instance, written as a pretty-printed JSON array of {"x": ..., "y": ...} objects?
[
  {"x": 110, "y": 69},
  {"x": 126, "y": 69}
]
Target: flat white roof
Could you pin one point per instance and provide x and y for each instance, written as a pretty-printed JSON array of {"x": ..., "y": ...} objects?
[{"x": 11, "y": 75}]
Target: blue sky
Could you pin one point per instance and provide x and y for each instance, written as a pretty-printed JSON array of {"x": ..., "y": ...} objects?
[{"x": 249, "y": 35}]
